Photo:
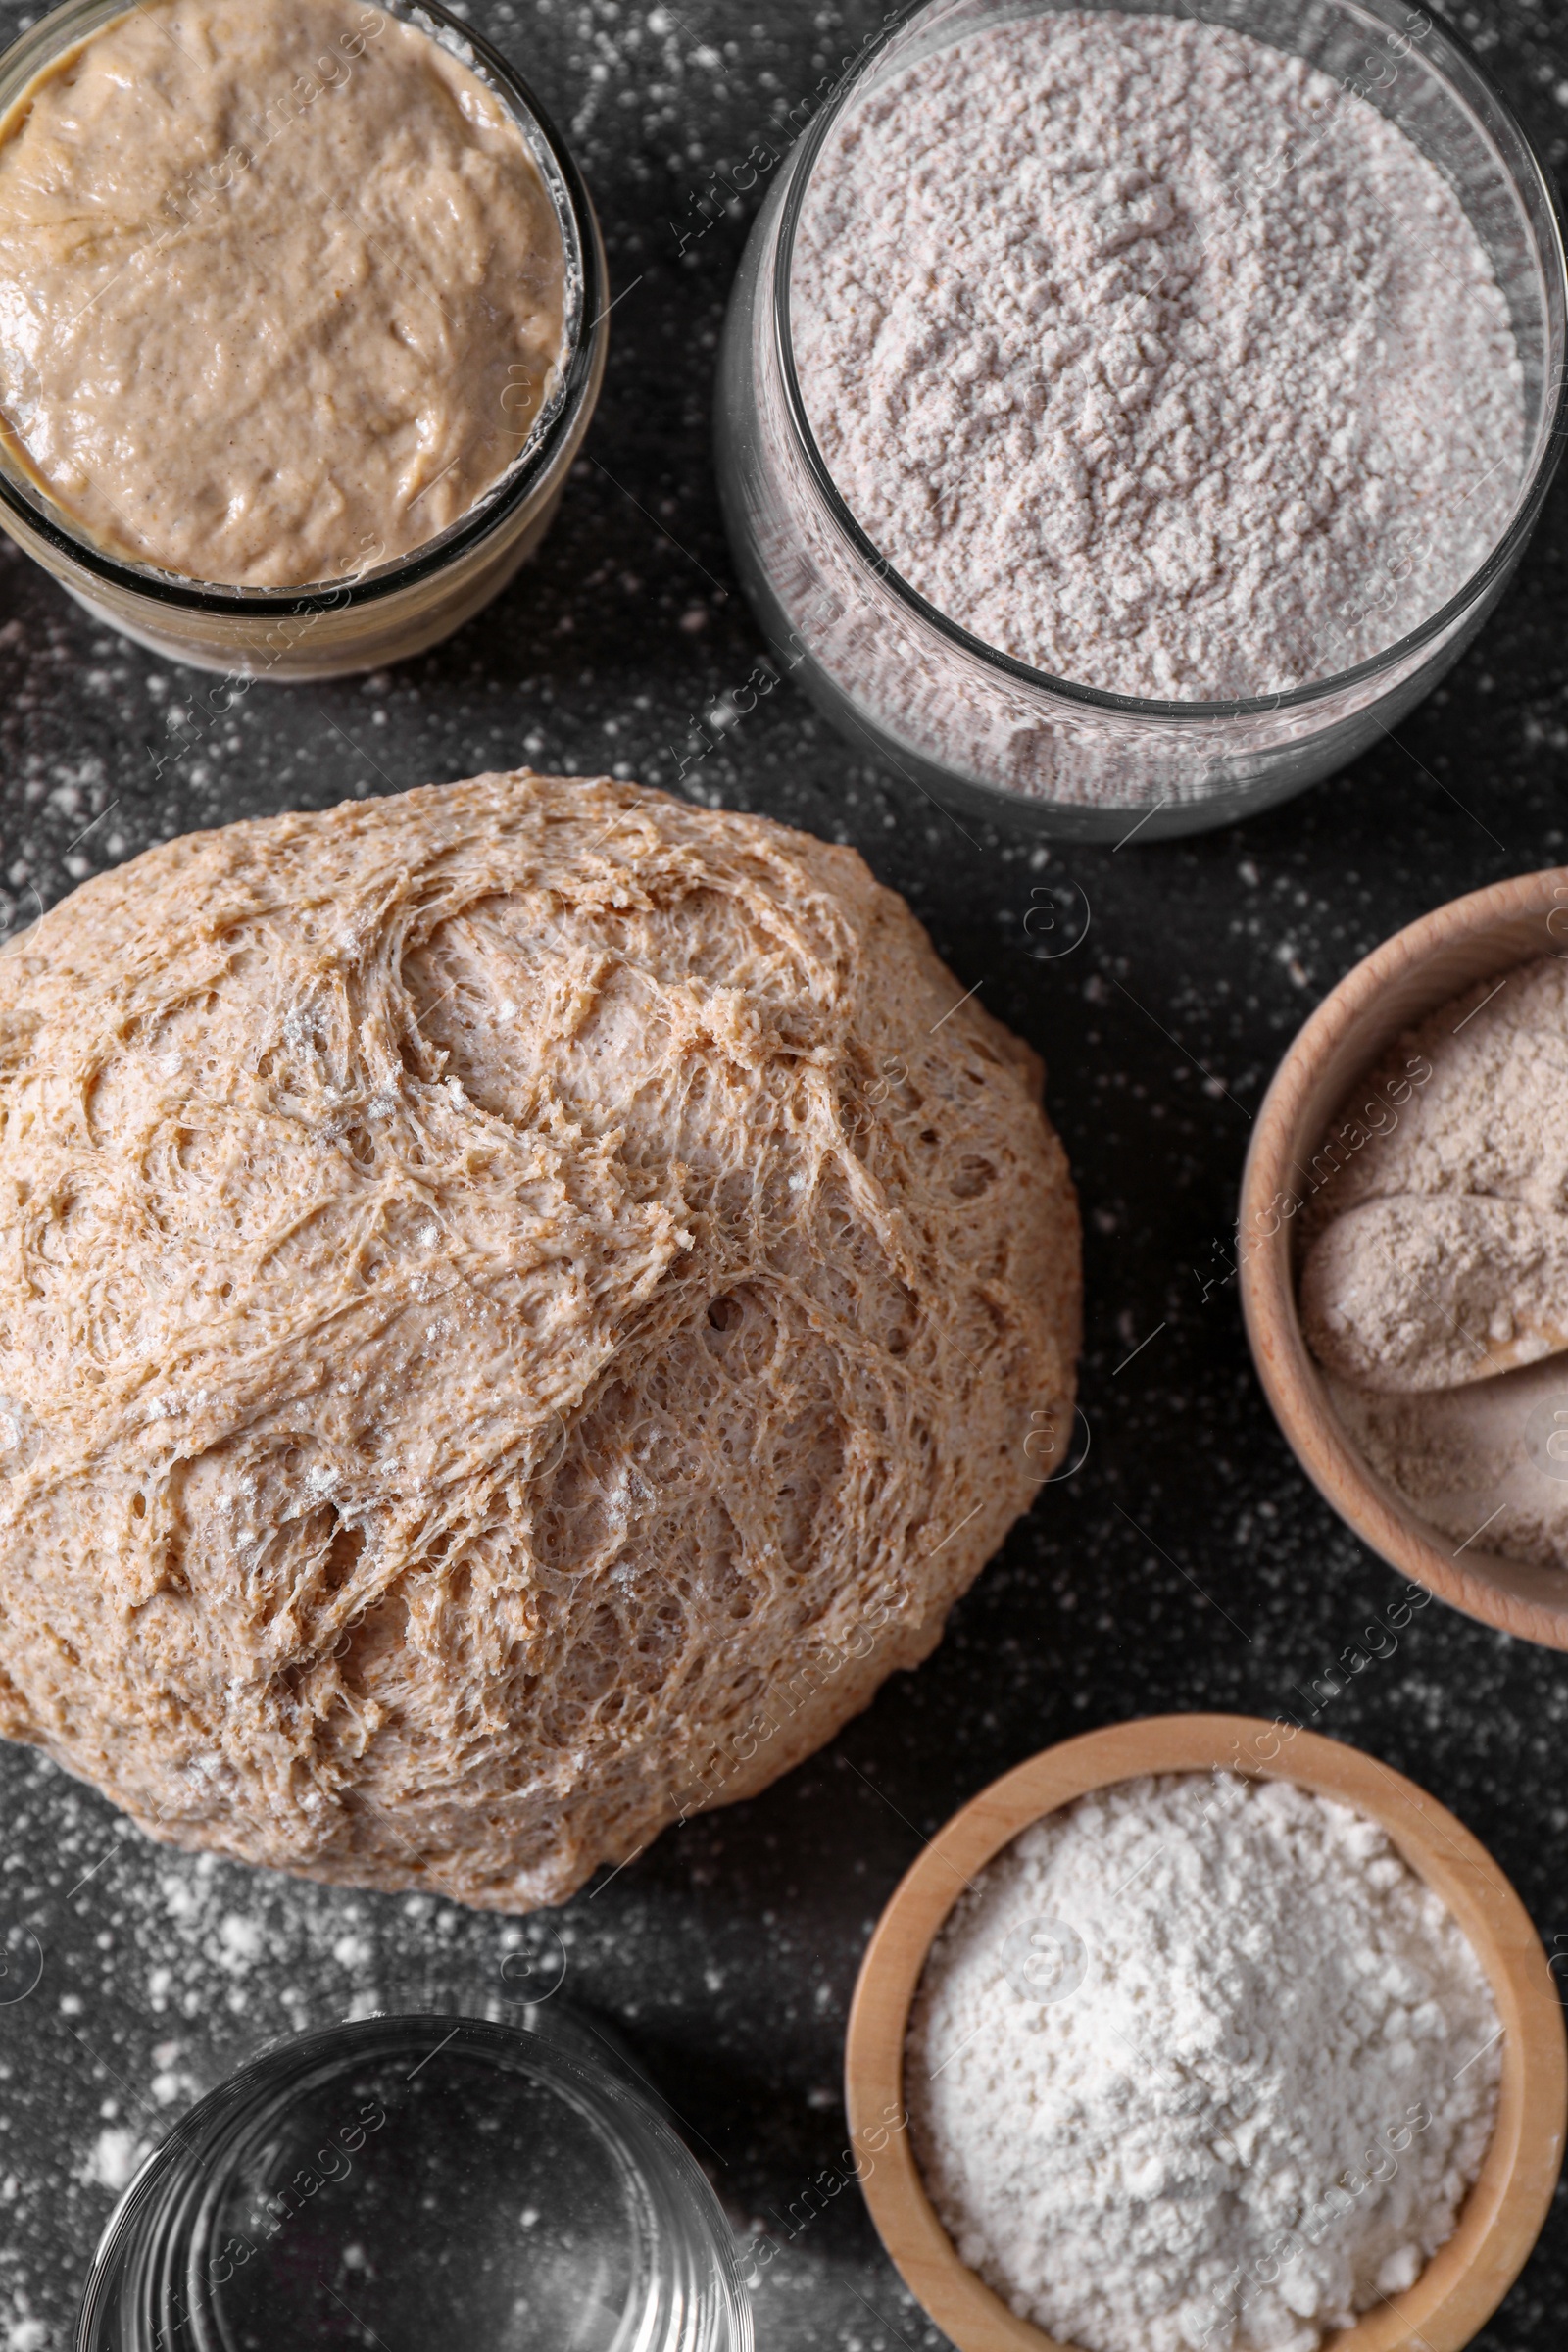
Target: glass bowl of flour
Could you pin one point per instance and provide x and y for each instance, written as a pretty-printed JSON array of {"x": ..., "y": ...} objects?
[{"x": 1125, "y": 417}]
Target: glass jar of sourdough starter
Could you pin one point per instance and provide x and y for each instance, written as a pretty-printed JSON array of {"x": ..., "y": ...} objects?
[
  {"x": 418, "y": 2182},
  {"x": 980, "y": 731},
  {"x": 356, "y": 620}
]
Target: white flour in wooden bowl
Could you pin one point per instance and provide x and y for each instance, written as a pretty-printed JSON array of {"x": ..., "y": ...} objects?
[
  {"x": 1201, "y": 2064},
  {"x": 1152, "y": 357}
]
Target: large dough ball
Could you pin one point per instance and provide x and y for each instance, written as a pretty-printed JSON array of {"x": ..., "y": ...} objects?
[{"x": 520, "y": 1304}]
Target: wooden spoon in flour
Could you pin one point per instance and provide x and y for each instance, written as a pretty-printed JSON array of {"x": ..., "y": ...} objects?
[{"x": 1434, "y": 1290}]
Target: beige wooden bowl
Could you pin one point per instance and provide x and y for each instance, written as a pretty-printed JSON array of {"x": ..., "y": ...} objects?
[
  {"x": 1409, "y": 976},
  {"x": 1468, "y": 2278}
]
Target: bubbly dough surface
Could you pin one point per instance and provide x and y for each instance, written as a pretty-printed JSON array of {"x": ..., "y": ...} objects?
[
  {"x": 281, "y": 289},
  {"x": 519, "y": 1305}
]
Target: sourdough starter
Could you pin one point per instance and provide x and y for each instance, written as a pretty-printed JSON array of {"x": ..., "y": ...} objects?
[{"x": 281, "y": 289}]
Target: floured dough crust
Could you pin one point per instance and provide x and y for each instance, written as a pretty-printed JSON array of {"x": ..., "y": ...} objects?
[{"x": 521, "y": 1303}]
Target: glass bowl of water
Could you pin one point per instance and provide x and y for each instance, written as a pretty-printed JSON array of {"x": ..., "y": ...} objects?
[{"x": 407, "y": 2182}]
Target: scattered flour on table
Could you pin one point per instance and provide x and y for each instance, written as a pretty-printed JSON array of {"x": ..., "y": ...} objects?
[
  {"x": 23, "y": 2330},
  {"x": 1258, "y": 2007},
  {"x": 1153, "y": 358}
]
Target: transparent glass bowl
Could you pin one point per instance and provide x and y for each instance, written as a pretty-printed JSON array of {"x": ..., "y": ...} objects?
[
  {"x": 981, "y": 731},
  {"x": 361, "y": 619},
  {"x": 419, "y": 2181}
]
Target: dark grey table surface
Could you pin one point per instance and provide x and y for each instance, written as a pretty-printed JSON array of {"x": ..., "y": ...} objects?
[{"x": 729, "y": 1950}]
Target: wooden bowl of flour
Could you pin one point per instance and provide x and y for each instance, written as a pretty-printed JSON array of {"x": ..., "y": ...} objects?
[
  {"x": 1411, "y": 975},
  {"x": 1501, "y": 2218}
]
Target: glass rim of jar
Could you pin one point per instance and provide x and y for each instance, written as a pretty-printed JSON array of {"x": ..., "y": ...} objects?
[
  {"x": 163, "y": 2220},
  {"x": 1551, "y": 429},
  {"x": 583, "y": 332}
]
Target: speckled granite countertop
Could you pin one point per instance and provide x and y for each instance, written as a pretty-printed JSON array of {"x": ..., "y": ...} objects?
[{"x": 729, "y": 1950}]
